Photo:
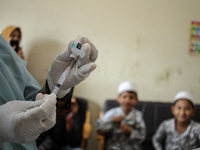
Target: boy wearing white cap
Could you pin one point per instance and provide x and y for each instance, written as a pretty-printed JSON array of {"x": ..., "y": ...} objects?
[
  {"x": 180, "y": 132},
  {"x": 124, "y": 124}
]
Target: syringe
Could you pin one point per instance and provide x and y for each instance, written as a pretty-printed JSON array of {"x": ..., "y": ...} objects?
[{"x": 76, "y": 47}]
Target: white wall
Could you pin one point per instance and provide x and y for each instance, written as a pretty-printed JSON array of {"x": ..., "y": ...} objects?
[{"x": 145, "y": 41}]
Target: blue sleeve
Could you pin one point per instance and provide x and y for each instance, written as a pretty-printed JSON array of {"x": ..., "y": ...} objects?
[{"x": 16, "y": 82}]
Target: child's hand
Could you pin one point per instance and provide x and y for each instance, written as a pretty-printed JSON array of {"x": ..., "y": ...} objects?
[
  {"x": 125, "y": 128},
  {"x": 118, "y": 118}
]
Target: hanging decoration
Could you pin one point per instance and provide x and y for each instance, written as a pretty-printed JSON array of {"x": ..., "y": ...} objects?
[{"x": 195, "y": 38}]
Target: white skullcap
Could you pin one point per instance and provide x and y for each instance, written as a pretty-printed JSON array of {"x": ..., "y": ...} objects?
[
  {"x": 127, "y": 86},
  {"x": 184, "y": 95}
]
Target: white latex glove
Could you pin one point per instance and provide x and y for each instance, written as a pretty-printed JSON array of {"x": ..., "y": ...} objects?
[
  {"x": 79, "y": 71},
  {"x": 24, "y": 121}
]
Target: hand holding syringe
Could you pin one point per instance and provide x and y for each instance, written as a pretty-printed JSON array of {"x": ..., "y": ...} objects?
[
  {"x": 76, "y": 47},
  {"x": 71, "y": 66}
]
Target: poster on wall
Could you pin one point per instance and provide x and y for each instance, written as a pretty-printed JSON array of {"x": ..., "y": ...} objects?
[{"x": 195, "y": 38}]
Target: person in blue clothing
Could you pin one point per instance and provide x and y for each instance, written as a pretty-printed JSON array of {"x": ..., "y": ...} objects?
[{"x": 25, "y": 114}]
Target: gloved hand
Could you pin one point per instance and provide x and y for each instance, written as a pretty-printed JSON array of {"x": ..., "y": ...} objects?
[
  {"x": 79, "y": 71},
  {"x": 24, "y": 121}
]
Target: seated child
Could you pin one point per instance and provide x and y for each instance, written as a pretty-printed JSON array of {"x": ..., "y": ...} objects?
[
  {"x": 124, "y": 124},
  {"x": 67, "y": 133},
  {"x": 180, "y": 132}
]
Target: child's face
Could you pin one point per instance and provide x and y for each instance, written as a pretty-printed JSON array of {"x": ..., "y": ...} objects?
[
  {"x": 183, "y": 111},
  {"x": 75, "y": 105},
  {"x": 127, "y": 100}
]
